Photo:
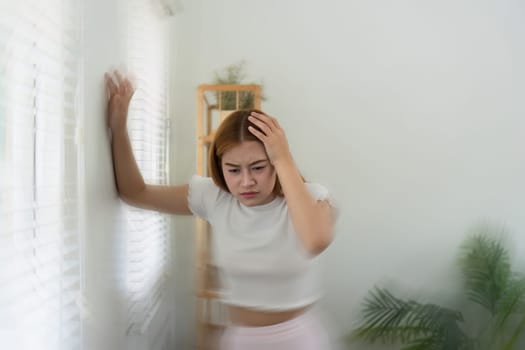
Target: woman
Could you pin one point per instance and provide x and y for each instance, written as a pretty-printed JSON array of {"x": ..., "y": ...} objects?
[{"x": 268, "y": 223}]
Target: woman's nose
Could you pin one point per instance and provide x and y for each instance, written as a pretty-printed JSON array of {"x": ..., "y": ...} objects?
[{"x": 247, "y": 178}]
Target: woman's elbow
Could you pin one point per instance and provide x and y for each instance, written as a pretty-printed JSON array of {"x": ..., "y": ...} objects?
[
  {"x": 132, "y": 198},
  {"x": 320, "y": 241}
]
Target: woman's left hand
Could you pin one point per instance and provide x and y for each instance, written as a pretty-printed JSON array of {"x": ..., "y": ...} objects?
[{"x": 272, "y": 136}]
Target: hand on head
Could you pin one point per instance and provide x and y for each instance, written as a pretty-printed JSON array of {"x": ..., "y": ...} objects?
[
  {"x": 272, "y": 136},
  {"x": 119, "y": 90}
]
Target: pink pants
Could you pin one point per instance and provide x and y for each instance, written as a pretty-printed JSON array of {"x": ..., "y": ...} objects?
[{"x": 305, "y": 332}]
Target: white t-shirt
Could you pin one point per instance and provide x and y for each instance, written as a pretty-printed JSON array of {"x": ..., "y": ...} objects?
[{"x": 262, "y": 263}]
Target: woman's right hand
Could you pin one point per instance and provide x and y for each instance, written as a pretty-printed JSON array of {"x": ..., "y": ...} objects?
[{"x": 119, "y": 91}]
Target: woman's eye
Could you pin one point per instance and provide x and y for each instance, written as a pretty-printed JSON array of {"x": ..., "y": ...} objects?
[
  {"x": 259, "y": 167},
  {"x": 233, "y": 171}
]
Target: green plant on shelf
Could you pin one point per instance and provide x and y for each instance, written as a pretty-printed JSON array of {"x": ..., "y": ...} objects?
[{"x": 234, "y": 74}]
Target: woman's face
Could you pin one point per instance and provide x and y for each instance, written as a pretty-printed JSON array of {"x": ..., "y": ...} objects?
[{"x": 248, "y": 173}]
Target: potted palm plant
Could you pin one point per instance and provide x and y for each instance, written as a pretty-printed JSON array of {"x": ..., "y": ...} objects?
[{"x": 489, "y": 282}]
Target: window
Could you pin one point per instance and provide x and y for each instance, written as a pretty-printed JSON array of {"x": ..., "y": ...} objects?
[
  {"x": 39, "y": 240},
  {"x": 148, "y": 232}
]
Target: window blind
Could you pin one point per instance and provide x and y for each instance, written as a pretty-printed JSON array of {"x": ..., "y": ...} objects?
[
  {"x": 148, "y": 243},
  {"x": 39, "y": 240}
]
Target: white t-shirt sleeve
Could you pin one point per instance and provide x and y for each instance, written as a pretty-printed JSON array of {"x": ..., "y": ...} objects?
[
  {"x": 202, "y": 196},
  {"x": 321, "y": 193}
]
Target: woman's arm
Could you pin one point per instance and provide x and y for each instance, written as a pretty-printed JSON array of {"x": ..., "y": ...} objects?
[
  {"x": 313, "y": 220},
  {"x": 130, "y": 183}
]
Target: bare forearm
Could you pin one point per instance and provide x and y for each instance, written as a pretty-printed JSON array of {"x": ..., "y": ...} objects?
[
  {"x": 133, "y": 190},
  {"x": 311, "y": 219},
  {"x": 127, "y": 173}
]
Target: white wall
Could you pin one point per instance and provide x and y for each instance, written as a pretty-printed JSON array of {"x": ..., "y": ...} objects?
[
  {"x": 411, "y": 112},
  {"x": 105, "y": 327}
]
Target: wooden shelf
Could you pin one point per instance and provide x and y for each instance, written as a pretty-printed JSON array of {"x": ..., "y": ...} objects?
[
  {"x": 209, "y": 294},
  {"x": 207, "y": 139},
  {"x": 211, "y": 312}
]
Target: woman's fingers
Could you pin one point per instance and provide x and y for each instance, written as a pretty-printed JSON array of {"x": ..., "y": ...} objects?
[
  {"x": 262, "y": 125},
  {"x": 269, "y": 121},
  {"x": 110, "y": 85},
  {"x": 257, "y": 133},
  {"x": 119, "y": 77},
  {"x": 128, "y": 88},
  {"x": 264, "y": 122},
  {"x": 117, "y": 84},
  {"x": 271, "y": 135}
]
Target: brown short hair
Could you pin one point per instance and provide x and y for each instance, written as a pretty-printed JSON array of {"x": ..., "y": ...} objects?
[{"x": 230, "y": 133}]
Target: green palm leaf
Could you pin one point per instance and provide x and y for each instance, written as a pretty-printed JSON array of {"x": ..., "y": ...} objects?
[
  {"x": 486, "y": 269},
  {"x": 516, "y": 335},
  {"x": 511, "y": 303},
  {"x": 489, "y": 282},
  {"x": 510, "y": 318},
  {"x": 442, "y": 341},
  {"x": 428, "y": 343},
  {"x": 389, "y": 319}
]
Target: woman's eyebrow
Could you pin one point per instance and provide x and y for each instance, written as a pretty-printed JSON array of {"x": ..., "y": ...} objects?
[
  {"x": 251, "y": 164},
  {"x": 258, "y": 161}
]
